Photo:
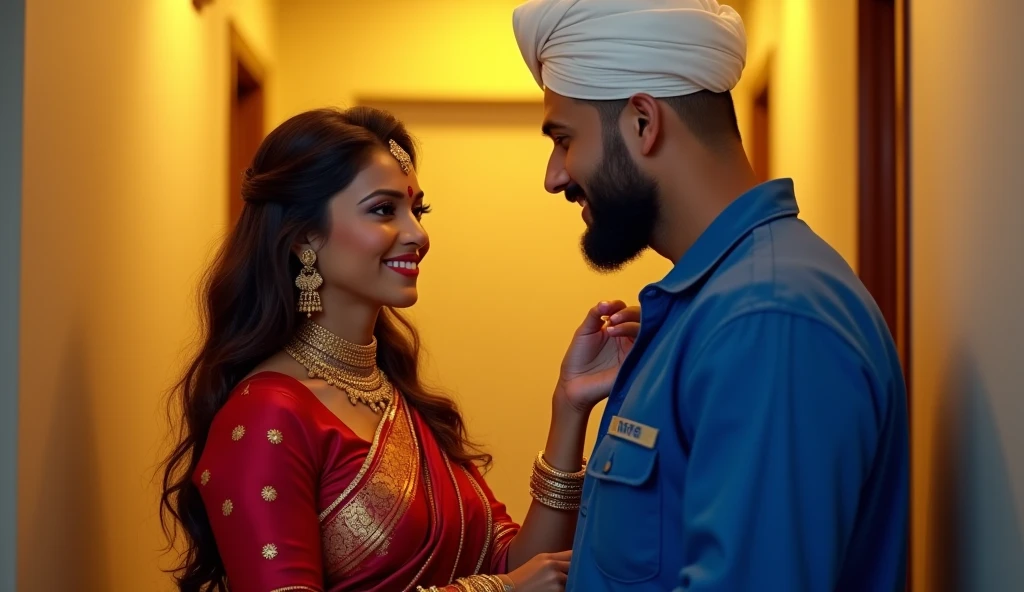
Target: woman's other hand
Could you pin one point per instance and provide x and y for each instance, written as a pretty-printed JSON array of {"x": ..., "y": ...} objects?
[{"x": 546, "y": 572}]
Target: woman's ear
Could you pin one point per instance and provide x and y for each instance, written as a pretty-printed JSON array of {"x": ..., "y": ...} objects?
[{"x": 313, "y": 242}]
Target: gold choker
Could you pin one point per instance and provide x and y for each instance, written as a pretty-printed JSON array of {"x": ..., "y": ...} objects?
[{"x": 344, "y": 365}]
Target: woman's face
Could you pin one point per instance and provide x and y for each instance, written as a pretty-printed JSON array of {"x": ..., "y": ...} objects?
[{"x": 376, "y": 238}]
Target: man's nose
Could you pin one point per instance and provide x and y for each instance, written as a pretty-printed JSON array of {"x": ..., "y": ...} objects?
[{"x": 556, "y": 179}]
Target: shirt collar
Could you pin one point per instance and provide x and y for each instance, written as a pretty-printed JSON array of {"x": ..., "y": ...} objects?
[{"x": 762, "y": 204}]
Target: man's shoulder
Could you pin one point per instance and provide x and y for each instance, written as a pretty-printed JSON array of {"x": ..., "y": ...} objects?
[{"x": 784, "y": 268}]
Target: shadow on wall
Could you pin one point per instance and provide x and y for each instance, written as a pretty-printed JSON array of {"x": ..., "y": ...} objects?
[
  {"x": 69, "y": 503},
  {"x": 976, "y": 532}
]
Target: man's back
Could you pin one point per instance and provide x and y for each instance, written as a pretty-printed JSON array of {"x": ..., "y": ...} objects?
[{"x": 756, "y": 438}]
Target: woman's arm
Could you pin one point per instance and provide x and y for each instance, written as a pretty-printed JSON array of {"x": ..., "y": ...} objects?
[
  {"x": 258, "y": 481},
  {"x": 546, "y": 529},
  {"x": 588, "y": 371}
]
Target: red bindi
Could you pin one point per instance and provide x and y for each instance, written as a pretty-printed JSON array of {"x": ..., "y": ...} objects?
[{"x": 410, "y": 191}]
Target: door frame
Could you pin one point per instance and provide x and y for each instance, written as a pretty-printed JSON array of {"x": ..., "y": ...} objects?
[
  {"x": 760, "y": 114},
  {"x": 245, "y": 122},
  {"x": 884, "y": 152}
]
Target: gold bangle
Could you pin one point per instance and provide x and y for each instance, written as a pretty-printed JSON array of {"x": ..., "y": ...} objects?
[
  {"x": 556, "y": 503},
  {"x": 555, "y": 493},
  {"x": 480, "y": 583},
  {"x": 556, "y": 486},
  {"x": 551, "y": 471},
  {"x": 559, "y": 490}
]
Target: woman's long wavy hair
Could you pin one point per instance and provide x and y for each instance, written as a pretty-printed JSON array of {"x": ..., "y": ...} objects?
[{"x": 248, "y": 305}]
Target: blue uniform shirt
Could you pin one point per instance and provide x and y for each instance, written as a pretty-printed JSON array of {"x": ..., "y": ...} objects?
[{"x": 756, "y": 437}]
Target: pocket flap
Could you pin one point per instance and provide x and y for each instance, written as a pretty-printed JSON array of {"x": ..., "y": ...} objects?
[{"x": 622, "y": 462}]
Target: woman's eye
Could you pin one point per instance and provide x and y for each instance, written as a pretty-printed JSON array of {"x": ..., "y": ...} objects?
[
  {"x": 384, "y": 210},
  {"x": 422, "y": 210}
]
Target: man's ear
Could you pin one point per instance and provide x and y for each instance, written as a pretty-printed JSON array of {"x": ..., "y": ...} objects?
[{"x": 644, "y": 121}]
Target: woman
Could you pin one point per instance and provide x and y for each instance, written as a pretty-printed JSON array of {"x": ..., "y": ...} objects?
[{"x": 311, "y": 457}]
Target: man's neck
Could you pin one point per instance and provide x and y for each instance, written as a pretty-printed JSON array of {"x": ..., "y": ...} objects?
[{"x": 694, "y": 197}]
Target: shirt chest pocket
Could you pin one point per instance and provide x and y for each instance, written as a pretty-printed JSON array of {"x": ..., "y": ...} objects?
[{"x": 624, "y": 511}]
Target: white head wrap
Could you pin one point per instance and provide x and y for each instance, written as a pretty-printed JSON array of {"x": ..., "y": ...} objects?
[{"x": 613, "y": 49}]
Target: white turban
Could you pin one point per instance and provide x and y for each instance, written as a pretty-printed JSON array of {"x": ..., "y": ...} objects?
[{"x": 613, "y": 49}]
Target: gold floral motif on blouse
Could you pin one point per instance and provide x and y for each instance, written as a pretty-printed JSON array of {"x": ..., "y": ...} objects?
[{"x": 365, "y": 522}]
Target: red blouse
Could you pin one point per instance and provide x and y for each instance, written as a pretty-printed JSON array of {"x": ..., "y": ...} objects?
[{"x": 297, "y": 501}]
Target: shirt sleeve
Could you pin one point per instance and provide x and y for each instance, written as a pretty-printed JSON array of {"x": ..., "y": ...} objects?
[
  {"x": 258, "y": 481},
  {"x": 783, "y": 429}
]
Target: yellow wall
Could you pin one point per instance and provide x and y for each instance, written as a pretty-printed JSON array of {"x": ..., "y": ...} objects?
[
  {"x": 504, "y": 286},
  {"x": 331, "y": 52},
  {"x": 124, "y": 196},
  {"x": 967, "y": 193},
  {"x": 813, "y": 98}
]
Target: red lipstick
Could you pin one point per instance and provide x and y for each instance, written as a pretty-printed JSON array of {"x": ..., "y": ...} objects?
[{"x": 407, "y": 265}]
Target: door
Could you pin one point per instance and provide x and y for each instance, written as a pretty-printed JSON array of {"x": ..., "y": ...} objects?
[{"x": 246, "y": 118}]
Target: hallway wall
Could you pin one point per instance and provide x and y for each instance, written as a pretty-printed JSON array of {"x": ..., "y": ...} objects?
[
  {"x": 125, "y": 136},
  {"x": 810, "y": 50},
  {"x": 967, "y": 138}
]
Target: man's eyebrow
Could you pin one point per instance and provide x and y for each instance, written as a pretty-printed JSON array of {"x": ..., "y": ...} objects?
[{"x": 550, "y": 127}]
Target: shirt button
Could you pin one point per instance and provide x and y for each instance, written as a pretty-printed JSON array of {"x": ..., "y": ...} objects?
[{"x": 607, "y": 466}]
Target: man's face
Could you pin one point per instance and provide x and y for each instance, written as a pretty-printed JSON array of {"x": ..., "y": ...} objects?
[{"x": 591, "y": 164}]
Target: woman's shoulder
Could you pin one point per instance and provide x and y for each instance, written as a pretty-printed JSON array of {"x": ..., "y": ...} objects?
[
  {"x": 272, "y": 385},
  {"x": 266, "y": 429},
  {"x": 271, "y": 396}
]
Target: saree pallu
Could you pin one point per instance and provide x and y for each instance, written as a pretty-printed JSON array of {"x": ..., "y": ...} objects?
[{"x": 335, "y": 512}]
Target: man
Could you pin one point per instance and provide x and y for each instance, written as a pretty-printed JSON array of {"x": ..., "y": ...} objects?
[{"x": 756, "y": 437}]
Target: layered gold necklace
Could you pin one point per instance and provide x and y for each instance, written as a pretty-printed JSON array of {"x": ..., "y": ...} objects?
[{"x": 345, "y": 365}]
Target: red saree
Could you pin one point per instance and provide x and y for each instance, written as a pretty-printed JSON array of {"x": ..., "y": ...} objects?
[{"x": 297, "y": 501}]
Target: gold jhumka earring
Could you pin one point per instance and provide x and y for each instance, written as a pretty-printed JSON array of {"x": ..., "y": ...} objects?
[{"x": 308, "y": 282}]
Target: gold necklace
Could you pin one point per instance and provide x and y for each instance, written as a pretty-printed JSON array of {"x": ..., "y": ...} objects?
[{"x": 344, "y": 365}]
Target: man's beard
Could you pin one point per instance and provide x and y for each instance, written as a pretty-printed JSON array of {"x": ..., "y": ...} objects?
[{"x": 623, "y": 206}]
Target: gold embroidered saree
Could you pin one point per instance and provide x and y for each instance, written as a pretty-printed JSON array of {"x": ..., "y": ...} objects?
[{"x": 314, "y": 507}]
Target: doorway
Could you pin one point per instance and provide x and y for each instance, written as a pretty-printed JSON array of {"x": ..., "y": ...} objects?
[
  {"x": 246, "y": 118},
  {"x": 761, "y": 157},
  {"x": 883, "y": 233},
  {"x": 884, "y": 183}
]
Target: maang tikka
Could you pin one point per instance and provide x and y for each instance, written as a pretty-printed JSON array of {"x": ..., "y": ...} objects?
[
  {"x": 401, "y": 156},
  {"x": 308, "y": 282}
]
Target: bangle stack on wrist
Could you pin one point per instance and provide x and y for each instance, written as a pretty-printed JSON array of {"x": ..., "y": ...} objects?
[
  {"x": 556, "y": 489},
  {"x": 480, "y": 583}
]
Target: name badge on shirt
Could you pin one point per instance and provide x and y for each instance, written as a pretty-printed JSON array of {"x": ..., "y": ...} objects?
[{"x": 633, "y": 431}]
